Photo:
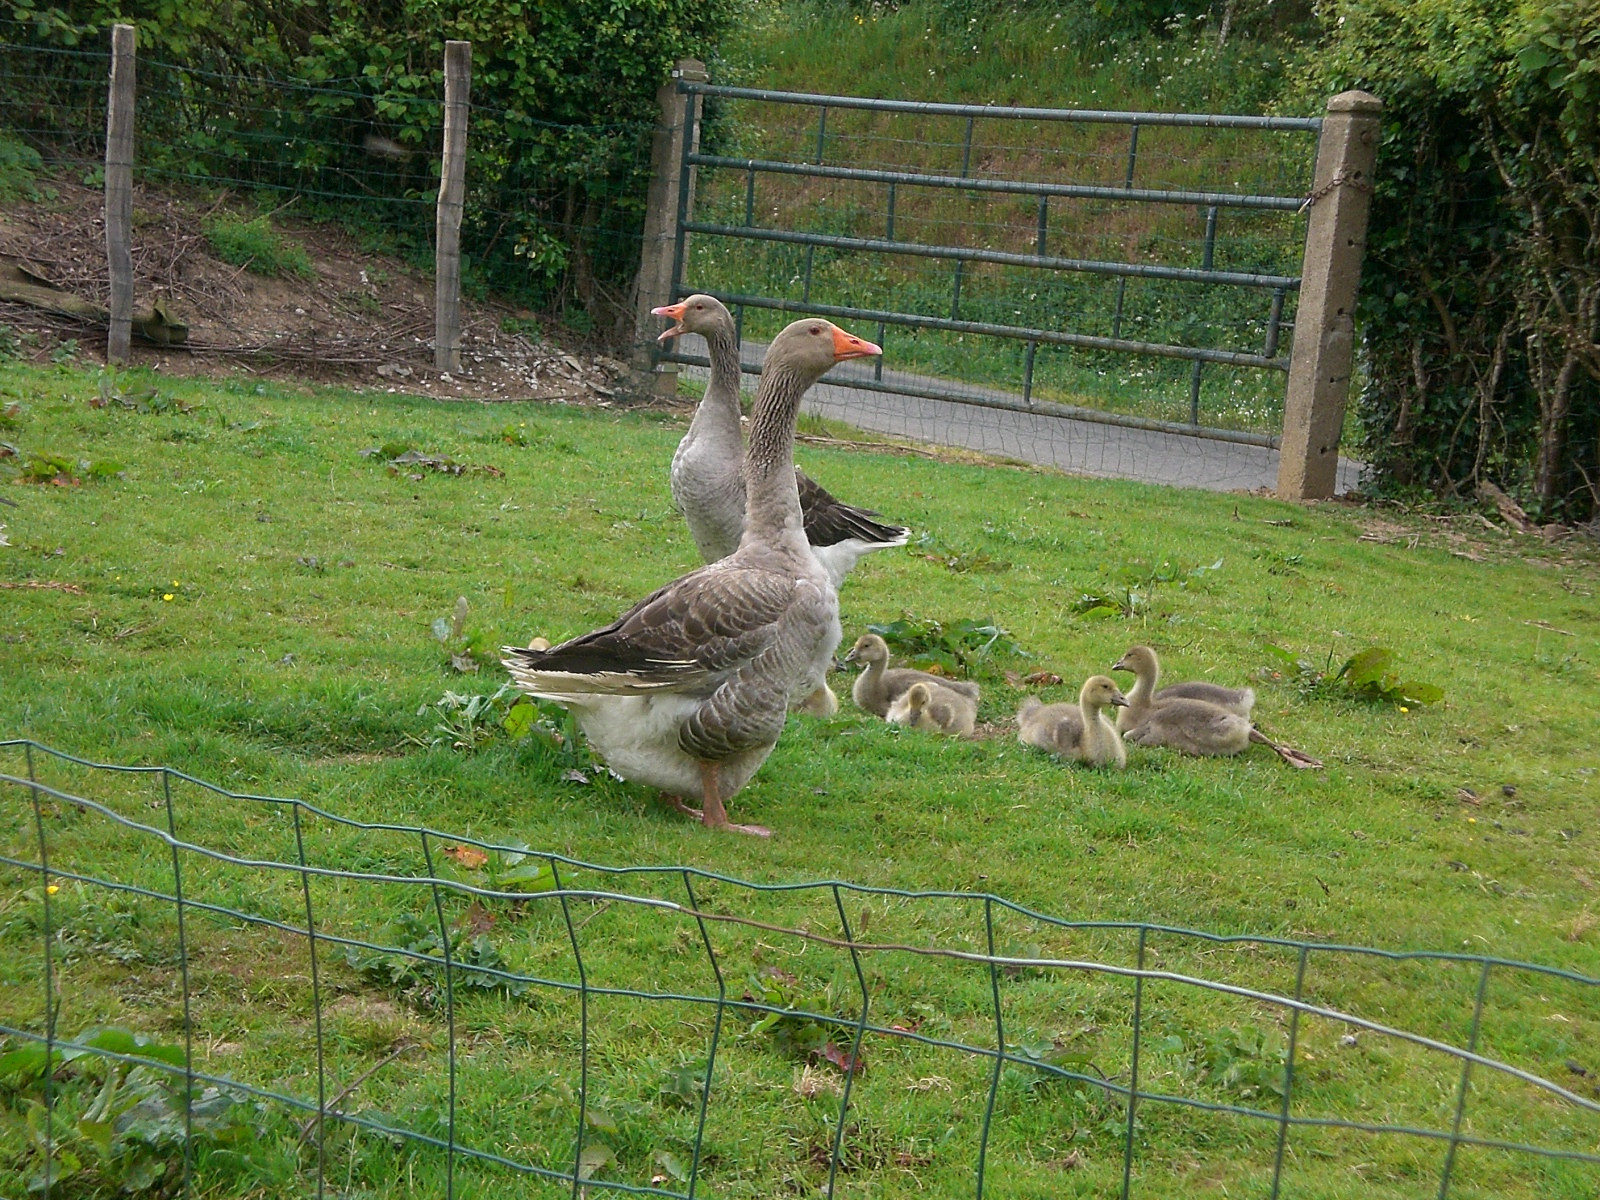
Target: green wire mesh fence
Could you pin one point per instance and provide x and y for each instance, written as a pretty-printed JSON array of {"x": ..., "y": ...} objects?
[{"x": 199, "y": 979}]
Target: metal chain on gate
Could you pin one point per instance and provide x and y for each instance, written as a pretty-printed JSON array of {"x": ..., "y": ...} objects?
[{"x": 1339, "y": 180}]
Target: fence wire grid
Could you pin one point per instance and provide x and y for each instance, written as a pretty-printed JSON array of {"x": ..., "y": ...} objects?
[{"x": 468, "y": 1017}]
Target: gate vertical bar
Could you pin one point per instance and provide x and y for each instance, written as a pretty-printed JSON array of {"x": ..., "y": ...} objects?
[
  {"x": 452, "y": 201},
  {"x": 1207, "y": 258},
  {"x": 661, "y": 252},
  {"x": 1127, "y": 182},
  {"x": 822, "y": 131},
  {"x": 1324, "y": 326},
  {"x": 1274, "y": 323},
  {"x": 119, "y": 192}
]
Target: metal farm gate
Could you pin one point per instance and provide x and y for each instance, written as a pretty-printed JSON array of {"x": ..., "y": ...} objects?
[{"x": 1055, "y": 262}]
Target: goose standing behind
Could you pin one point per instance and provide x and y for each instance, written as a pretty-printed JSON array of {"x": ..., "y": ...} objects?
[
  {"x": 1142, "y": 661},
  {"x": 1195, "y": 727},
  {"x": 688, "y": 690},
  {"x": 879, "y": 685},
  {"x": 708, "y": 466},
  {"x": 936, "y": 708},
  {"x": 1081, "y": 732}
]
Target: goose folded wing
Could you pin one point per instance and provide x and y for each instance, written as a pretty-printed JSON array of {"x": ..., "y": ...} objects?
[
  {"x": 829, "y": 521},
  {"x": 687, "y": 636}
]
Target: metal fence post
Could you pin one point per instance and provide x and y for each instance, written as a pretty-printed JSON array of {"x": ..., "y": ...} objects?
[
  {"x": 452, "y": 197},
  {"x": 119, "y": 192},
  {"x": 667, "y": 179},
  {"x": 1324, "y": 341}
]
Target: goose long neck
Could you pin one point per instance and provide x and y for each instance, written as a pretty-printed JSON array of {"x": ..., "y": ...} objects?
[
  {"x": 772, "y": 497},
  {"x": 1144, "y": 685},
  {"x": 718, "y": 414}
]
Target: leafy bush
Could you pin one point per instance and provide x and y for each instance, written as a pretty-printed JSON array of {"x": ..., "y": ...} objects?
[
  {"x": 1481, "y": 292},
  {"x": 563, "y": 108}
]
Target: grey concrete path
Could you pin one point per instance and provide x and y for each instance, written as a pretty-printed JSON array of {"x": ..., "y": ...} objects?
[{"x": 1083, "y": 447}]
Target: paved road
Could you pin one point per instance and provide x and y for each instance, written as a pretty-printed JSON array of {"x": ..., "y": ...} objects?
[{"x": 1083, "y": 447}]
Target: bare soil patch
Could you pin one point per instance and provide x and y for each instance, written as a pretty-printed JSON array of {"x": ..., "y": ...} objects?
[{"x": 364, "y": 320}]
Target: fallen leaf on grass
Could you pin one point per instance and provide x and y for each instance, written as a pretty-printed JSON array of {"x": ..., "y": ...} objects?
[
  {"x": 468, "y": 856},
  {"x": 842, "y": 1059}
]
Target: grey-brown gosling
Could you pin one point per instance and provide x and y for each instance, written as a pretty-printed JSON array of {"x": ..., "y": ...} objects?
[
  {"x": 1146, "y": 668},
  {"x": 934, "y": 707},
  {"x": 880, "y": 685},
  {"x": 1081, "y": 732},
  {"x": 1196, "y": 727}
]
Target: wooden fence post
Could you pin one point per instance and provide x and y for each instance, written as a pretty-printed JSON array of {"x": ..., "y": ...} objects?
[
  {"x": 667, "y": 179},
  {"x": 119, "y": 192},
  {"x": 1324, "y": 324},
  {"x": 452, "y": 197}
]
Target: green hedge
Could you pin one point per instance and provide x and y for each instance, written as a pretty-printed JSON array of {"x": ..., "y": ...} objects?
[
  {"x": 293, "y": 93},
  {"x": 1480, "y": 298}
]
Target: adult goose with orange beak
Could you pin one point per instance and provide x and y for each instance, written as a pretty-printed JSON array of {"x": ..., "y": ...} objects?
[
  {"x": 708, "y": 466},
  {"x": 688, "y": 690}
]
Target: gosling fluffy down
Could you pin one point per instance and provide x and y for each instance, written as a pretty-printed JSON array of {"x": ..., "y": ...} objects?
[
  {"x": 879, "y": 685},
  {"x": 1205, "y": 730},
  {"x": 934, "y": 707},
  {"x": 1078, "y": 732},
  {"x": 1146, "y": 668}
]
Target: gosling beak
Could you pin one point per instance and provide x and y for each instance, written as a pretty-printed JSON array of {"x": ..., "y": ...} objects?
[
  {"x": 675, "y": 311},
  {"x": 1119, "y": 701},
  {"x": 1121, "y": 665},
  {"x": 848, "y": 345},
  {"x": 851, "y": 656}
]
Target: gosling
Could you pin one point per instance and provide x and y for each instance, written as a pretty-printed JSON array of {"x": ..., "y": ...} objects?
[
  {"x": 936, "y": 708},
  {"x": 1206, "y": 730},
  {"x": 1082, "y": 732},
  {"x": 1146, "y": 668},
  {"x": 878, "y": 686}
]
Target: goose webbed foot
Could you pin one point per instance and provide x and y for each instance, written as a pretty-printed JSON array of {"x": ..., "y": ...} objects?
[{"x": 715, "y": 815}]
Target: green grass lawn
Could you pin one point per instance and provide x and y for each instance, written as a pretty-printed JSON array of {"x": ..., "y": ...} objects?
[{"x": 232, "y": 589}]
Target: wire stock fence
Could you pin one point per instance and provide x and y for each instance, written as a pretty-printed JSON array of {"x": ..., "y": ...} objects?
[
  {"x": 470, "y": 1017},
  {"x": 552, "y": 220}
]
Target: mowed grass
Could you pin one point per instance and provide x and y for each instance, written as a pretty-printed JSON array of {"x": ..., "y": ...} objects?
[{"x": 250, "y": 601}]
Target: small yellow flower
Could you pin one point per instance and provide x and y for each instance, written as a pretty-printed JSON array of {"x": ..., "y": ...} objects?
[
  {"x": 1472, "y": 820},
  {"x": 52, "y": 889},
  {"x": 175, "y": 583},
  {"x": 1403, "y": 708},
  {"x": 168, "y": 596}
]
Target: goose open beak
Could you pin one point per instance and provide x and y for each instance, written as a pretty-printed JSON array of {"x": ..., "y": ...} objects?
[
  {"x": 675, "y": 311},
  {"x": 848, "y": 345},
  {"x": 850, "y": 657},
  {"x": 1121, "y": 665}
]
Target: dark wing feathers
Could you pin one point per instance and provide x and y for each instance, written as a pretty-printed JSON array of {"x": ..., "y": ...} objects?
[
  {"x": 829, "y": 521},
  {"x": 703, "y": 623}
]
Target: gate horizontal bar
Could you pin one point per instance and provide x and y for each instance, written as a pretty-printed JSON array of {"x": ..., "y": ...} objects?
[
  {"x": 1072, "y": 115},
  {"x": 1081, "y": 341},
  {"x": 1013, "y": 187},
  {"x": 1006, "y": 257},
  {"x": 1047, "y": 408}
]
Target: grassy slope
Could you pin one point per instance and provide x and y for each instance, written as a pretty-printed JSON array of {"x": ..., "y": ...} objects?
[{"x": 294, "y": 654}]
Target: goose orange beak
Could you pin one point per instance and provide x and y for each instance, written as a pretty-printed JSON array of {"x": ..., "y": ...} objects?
[
  {"x": 848, "y": 345},
  {"x": 675, "y": 311}
]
